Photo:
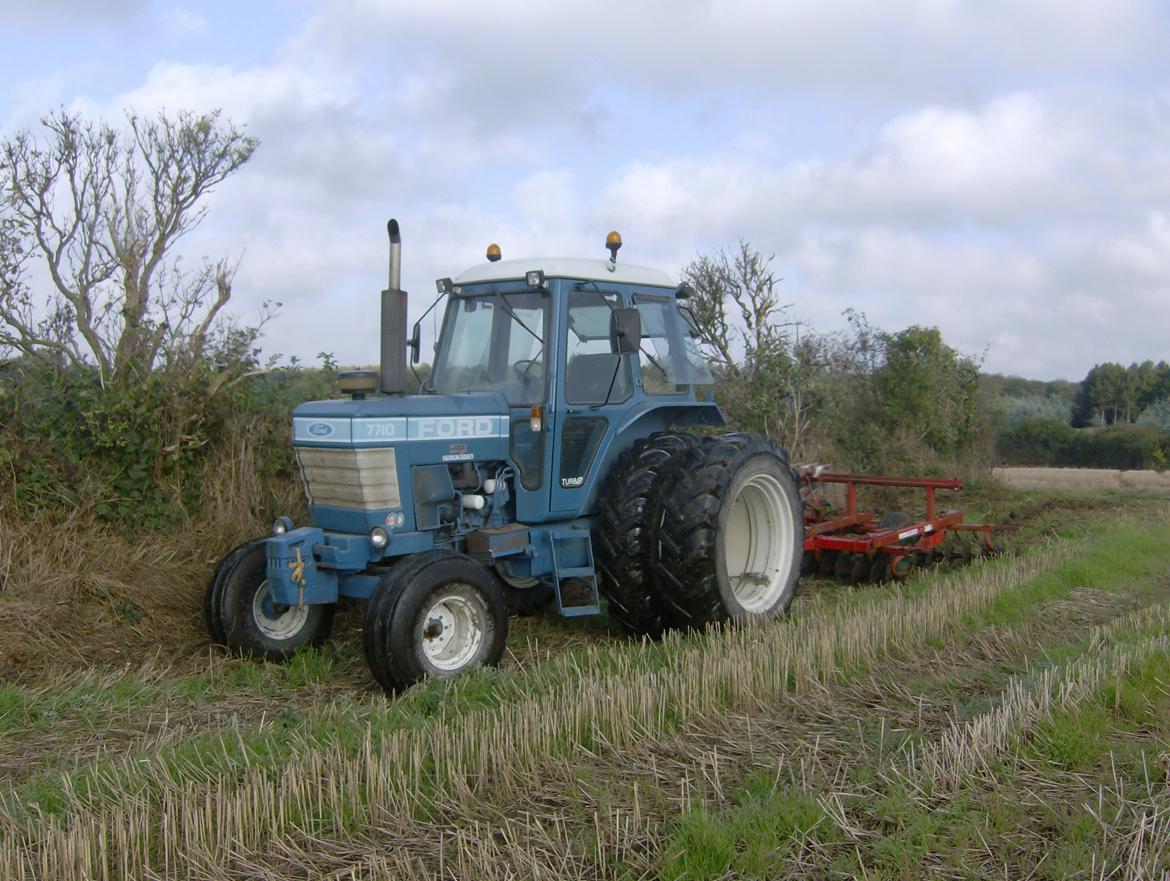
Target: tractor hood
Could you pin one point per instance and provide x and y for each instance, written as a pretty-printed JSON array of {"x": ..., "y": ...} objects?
[{"x": 380, "y": 421}]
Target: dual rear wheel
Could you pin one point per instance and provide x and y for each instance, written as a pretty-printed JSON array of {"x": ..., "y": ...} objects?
[{"x": 699, "y": 530}]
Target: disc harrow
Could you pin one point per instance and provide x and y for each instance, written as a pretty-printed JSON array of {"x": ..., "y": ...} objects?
[{"x": 857, "y": 546}]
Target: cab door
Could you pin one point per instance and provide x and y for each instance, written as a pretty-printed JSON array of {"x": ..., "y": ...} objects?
[{"x": 592, "y": 392}]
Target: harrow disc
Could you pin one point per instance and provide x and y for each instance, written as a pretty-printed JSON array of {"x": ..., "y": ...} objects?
[
  {"x": 828, "y": 564},
  {"x": 859, "y": 570}
]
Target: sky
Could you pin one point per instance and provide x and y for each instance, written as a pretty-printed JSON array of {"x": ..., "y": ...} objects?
[{"x": 1000, "y": 170}]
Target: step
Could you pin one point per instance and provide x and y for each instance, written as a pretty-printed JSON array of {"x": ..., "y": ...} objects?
[{"x": 576, "y": 572}]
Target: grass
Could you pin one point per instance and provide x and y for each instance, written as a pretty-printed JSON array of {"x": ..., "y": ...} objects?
[{"x": 606, "y": 759}]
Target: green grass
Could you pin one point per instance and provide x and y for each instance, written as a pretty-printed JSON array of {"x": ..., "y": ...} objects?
[{"x": 1124, "y": 727}]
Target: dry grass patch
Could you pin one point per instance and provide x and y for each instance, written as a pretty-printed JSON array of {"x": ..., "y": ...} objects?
[{"x": 1083, "y": 479}]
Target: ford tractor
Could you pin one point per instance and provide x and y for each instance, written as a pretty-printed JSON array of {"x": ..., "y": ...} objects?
[{"x": 562, "y": 450}]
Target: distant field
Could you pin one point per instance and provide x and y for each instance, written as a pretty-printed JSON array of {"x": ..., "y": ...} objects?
[{"x": 1083, "y": 479}]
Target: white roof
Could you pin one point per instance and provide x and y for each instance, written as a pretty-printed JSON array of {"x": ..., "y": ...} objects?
[{"x": 565, "y": 267}]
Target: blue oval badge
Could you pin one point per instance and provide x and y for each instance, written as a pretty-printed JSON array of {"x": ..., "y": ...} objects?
[{"x": 320, "y": 429}]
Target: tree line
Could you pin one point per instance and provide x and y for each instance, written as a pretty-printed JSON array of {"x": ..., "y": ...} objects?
[{"x": 123, "y": 377}]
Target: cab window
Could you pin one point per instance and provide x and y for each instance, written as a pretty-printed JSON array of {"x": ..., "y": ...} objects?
[
  {"x": 495, "y": 342},
  {"x": 593, "y": 373}
]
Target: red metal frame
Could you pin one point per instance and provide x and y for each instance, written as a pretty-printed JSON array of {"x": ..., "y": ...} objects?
[{"x": 856, "y": 531}]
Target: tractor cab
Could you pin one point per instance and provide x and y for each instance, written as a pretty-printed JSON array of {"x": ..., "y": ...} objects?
[{"x": 580, "y": 351}]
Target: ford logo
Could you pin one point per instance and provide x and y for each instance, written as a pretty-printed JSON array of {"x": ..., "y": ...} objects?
[{"x": 320, "y": 429}]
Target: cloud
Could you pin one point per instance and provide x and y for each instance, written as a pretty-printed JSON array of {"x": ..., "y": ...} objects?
[
  {"x": 181, "y": 22},
  {"x": 1001, "y": 170}
]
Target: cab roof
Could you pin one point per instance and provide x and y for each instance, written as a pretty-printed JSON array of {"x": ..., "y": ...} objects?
[{"x": 566, "y": 267}]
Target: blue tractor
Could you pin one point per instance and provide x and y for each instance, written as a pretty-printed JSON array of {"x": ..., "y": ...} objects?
[{"x": 550, "y": 457}]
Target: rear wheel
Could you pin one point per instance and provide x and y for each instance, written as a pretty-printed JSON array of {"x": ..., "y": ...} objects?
[
  {"x": 438, "y": 619},
  {"x": 732, "y": 535},
  {"x": 627, "y": 538},
  {"x": 254, "y": 624}
]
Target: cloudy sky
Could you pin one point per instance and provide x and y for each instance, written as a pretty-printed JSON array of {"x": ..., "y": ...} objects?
[{"x": 998, "y": 169}]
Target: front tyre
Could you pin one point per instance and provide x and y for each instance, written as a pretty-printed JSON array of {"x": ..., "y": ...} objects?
[
  {"x": 213, "y": 597},
  {"x": 253, "y": 623},
  {"x": 443, "y": 619}
]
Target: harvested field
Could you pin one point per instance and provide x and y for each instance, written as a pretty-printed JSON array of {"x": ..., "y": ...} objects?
[
  {"x": 1083, "y": 479},
  {"x": 1004, "y": 720}
]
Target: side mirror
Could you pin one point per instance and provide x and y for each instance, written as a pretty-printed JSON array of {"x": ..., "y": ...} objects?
[
  {"x": 415, "y": 343},
  {"x": 625, "y": 331}
]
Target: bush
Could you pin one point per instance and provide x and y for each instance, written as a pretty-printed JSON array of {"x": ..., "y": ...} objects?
[
  {"x": 136, "y": 456},
  {"x": 1053, "y": 443}
]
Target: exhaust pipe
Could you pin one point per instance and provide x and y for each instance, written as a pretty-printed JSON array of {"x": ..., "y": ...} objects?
[
  {"x": 395, "y": 255},
  {"x": 393, "y": 372}
]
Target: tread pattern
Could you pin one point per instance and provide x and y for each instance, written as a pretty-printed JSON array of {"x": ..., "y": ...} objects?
[
  {"x": 380, "y": 608},
  {"x": 627, "y": 537},
  {"x": 213, "y": 614},
  {"x": 691, "y": 508}
]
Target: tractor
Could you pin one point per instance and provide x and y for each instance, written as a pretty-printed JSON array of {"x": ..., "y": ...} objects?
[{"x": 561, "y": 450}]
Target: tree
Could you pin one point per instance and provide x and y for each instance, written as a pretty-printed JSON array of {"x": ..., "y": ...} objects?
[
  {"x": 763, "y": 376},
  {"x": 1157, "y": 415},
  {"x": 101, "y": 211}
]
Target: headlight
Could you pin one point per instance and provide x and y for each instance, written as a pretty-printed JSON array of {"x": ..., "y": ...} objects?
[
  {"x": 281, "y": 525},
  {"x": 379, "y": 537}
]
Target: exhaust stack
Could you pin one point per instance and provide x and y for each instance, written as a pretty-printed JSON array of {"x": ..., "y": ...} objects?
[{"x": 393, "y": 379}]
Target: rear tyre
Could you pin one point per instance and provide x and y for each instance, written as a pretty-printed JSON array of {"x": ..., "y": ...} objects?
[
  {"x": 436, "y": 620},
  {"x": 254, "y": 624},
  {"x": 627, "y": 537},
  {"x": 732, "y": 533}
]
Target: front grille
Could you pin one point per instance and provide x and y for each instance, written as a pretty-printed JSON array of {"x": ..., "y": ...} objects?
[{"x": 348, "y": 478}]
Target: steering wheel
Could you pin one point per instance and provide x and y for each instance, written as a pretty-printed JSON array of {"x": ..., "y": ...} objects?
[{"x": 524, "y": 366}]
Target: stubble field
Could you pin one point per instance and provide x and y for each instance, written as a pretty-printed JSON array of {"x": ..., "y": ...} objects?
[{"x": 1007, "y": 719}]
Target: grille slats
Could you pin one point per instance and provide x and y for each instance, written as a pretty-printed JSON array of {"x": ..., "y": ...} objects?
[{"x": 349, "y": 478}]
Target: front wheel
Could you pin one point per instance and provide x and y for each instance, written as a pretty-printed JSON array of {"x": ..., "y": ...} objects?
[
  {"x": 253, "y": 624},
  {"x": 437, "y": 620}
]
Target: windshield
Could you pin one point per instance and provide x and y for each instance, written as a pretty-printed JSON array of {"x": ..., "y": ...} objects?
[{"x": 494, "y": 342}]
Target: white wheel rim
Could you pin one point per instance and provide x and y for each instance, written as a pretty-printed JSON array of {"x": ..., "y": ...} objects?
[
  {"x": 453, "y": 629},
  {"x": 758, "y": 543},
  {"x": 273, "y": 623}
]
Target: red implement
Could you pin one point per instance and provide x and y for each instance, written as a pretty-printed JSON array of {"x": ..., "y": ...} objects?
[{"x": 853, "y": 541}]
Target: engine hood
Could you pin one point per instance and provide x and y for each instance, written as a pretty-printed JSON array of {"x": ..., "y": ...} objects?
[
  {"x": 470, "y": 403},
  {"x": 385, "y": 420}
]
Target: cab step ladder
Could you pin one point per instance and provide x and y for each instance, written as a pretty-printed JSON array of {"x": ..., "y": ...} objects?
[{"x": 574, "y": 546}]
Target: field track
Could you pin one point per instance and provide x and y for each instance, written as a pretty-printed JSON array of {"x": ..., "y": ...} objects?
[{"x": 1004, "y": 720}]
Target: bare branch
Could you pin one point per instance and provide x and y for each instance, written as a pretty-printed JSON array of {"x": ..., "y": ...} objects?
[{"x": 103, "y": 211}]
